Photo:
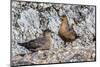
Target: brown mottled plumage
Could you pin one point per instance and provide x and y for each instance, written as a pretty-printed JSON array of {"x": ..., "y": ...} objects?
[
  {"x": 40, "y": 43},
  {"x": 65, "y": 33}
]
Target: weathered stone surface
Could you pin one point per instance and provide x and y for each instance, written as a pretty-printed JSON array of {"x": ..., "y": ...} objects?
[
  {"x": 55, "y": 56},
  {"x": 29, "y": 19}
]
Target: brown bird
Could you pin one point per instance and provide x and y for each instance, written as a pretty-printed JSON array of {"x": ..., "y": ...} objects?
[
  {"x": 65, "y": 33},
  {"x": 40, "y": 43}
]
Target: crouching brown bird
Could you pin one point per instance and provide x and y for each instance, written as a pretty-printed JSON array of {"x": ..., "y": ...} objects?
[
  {"x": 40, "y": 43},
  {"x": 65, "y": 33}
]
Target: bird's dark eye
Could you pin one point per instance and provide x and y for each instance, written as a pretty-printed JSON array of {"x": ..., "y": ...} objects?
[{"x": 62, "y": 19}]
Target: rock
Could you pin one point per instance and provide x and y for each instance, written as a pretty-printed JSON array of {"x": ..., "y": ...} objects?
[
  {"x": 29, "y": 19},
  {"x": 55, "y": 56}
]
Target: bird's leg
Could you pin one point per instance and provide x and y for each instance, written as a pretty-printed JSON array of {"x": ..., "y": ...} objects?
[
  {"x": 71, "y": 44},
  {"x": 65, "y": 44},
  {"x": 20, "y": 55},
  {"x": 33, "y": 50}
]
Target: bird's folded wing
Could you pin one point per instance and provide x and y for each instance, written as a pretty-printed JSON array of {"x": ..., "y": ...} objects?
[{"x": 38, "y": 42}]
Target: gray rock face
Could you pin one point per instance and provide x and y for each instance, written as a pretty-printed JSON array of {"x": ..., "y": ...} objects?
[{"x": 29, "y": 19}]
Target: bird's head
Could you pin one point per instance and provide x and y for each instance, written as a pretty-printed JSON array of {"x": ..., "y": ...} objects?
[
  {"x": 64, "y": 18},
  {"x": 47, "y": 32}
]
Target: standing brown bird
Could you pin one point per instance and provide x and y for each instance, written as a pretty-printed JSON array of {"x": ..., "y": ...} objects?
[
  {"x": 40, "y": 43},
  {"x": 65, "y": 33}
]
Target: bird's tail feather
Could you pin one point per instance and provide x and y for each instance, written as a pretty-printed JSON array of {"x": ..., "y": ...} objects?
[{"x": 22, "y": 44}]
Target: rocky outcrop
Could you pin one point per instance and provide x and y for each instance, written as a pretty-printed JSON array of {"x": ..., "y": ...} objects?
[{"x": 29, "y": 19}]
